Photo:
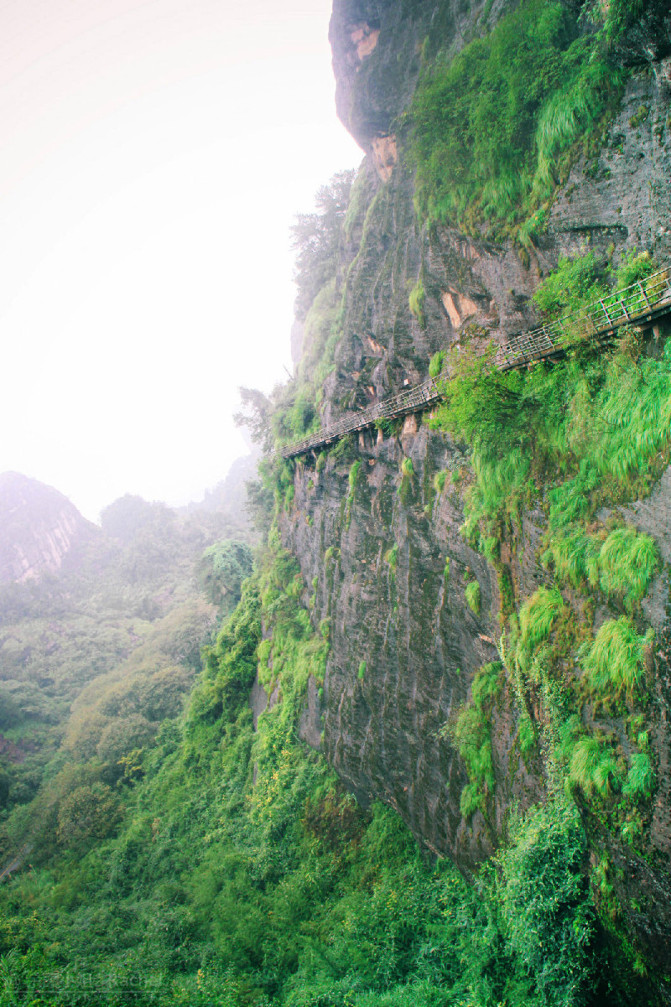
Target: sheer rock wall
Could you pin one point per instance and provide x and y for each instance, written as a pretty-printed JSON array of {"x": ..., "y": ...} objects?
[{"x": 405, "y": 645}]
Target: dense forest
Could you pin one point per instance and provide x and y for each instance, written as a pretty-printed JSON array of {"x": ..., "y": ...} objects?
[{"x": 396, "y": 734}]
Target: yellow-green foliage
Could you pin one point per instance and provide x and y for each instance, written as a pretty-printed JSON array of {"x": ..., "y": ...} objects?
[
  {"x": 491, "y": 548},
  {"x": 407, "y": 475},
  {"x": 628, "y": 561},
  {"x": 354, "y": 478},
  {"x": 361, "y": 673},
  {"x": 436, "y": 364},
  {"x": 439, "y": 480},
  {"x": 297, "y": 651},
  {"x": 573, "y": 285},
  {"x": 640, "y": 782},
  {"x": 615, "y": 661},
  {"x": 492, "y": 128},
  {"x": 264, "y": 651},
  {"x": 416, "y": 301},
  {"x": 575, "y": 557},
  {"x": 354, "y": 475},
  {"x": 472, "y": 735},
  {"x": 532, "y": 883},
  {"x": 472, "y": 594},
  {"x": 538, "y": 617},
  {"x": 391, "y": 557},
  {"x": 593, "y": 767},
  {"x": 526, "y": 735},
  {"x": 356, "y": 208},
  {"x": 622, "y": 563}
]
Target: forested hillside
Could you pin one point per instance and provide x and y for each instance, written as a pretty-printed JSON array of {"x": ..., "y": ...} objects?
[
  {"x": 96, "y": 654},
  {"x": 425, "y": 758}
]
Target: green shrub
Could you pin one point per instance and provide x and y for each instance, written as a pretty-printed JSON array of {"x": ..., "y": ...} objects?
[
  {"x": 362, "y": 671},
  {"x": 472, "y": 734},
  {"x": 547, "y": 915},
  {"x": 538, "y": 616},
  {"x": 575, "y": 557},
  {"x": 436, "y": 364},
  {"x": 574, "y": 284},
  {"x": 354, "y": 479},
  {"x": 407, "y": 475},
  {"x": 439, "y": 480},
  {"x": 487, "y": 684},
  {"x": 526, "y": 734},
  {"x": 595, "y": 426},
  {"x": 471, "y": 800},
  {"x": 472, "y": 594},
  {"x": 391, "y": 557},
  {"x": 640, "y": 781},
  {"x": 354, "y": 475},
  {"x": 491, "y": 548},
  {"x": 627, "y": 563},
  {"x": 473, "y": 737},
  {"x": 416, "y": 301},
  {"x": 615, "y": 661},
  {"x": 593, "y": 767},
  {"x": 634, "y": 266}
]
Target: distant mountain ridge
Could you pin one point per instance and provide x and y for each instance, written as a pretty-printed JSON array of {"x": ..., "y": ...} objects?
[{"x": 39, "y": 527}]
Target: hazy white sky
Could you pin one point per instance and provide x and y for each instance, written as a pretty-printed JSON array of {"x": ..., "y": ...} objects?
[{"x": 153, "y": 154}]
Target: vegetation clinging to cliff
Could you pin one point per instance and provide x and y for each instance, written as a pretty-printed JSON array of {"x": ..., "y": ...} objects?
[
  {"x": 583, "y": 433},
  {"x": 493, "y": 130},
  {"x": 595, "y": 426}
]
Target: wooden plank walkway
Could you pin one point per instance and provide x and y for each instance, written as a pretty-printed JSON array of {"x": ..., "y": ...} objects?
[{"x": 642, "y": 302}]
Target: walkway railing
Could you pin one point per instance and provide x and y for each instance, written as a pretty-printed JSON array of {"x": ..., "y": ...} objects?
[
  {"x": 644, "y": 300},
  {"x": 412, "y": 400}
]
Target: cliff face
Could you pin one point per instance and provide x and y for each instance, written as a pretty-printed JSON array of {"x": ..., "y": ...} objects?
[
  {"x": 387, "y": 561},
  {"x": 39, "y": 526}
]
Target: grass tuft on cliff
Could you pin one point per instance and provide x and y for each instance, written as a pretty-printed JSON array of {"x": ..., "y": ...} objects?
[{"x": 615, "y": 661}]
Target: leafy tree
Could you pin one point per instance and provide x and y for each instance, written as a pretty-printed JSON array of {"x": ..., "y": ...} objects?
[
  {"x": 317, "y": 239},
  {"x": 10, "y": 711},
  {"x": 130, "y": 514},
  {"x": 254, "y": 415},
  {"x": 90, "y": 812},
  {"x": 120, "y": 737},
  {"x": 221, "y": 571}
]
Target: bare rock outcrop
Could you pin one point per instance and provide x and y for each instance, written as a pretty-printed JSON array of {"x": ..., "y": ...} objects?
[{"x": 39, "y": 528}]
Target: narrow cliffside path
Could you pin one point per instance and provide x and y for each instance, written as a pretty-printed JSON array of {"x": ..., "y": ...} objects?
[{"x": 642, "y": 302}]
